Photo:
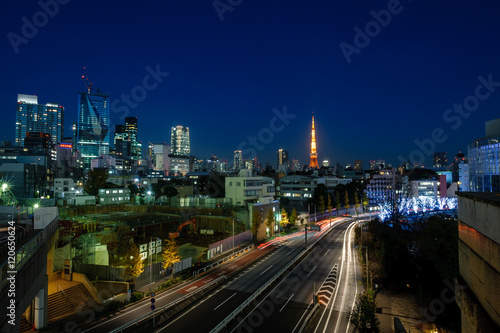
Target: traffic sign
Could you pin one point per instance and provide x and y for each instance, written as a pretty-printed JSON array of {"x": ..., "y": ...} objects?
[
  {"x": 153, "y": 294},
  {"x": 152, "y": 307},
  {"x": 152, "y": 300}
]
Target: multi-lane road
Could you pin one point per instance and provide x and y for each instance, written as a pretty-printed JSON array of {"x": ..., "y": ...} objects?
[{"x": 330, "y": 269}]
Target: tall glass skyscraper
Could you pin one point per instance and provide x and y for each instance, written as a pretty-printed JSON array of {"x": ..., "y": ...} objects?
[
  {"x": 179, "y": 141},
  {"x": 484, "y": 160},
  {"x": 93, "y": 125},
  {"x": 136, "y": 147},
  {"x": 34, "y": 117}
]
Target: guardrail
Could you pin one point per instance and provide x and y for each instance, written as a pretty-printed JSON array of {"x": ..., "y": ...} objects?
[
  {"x": 223, "y": 260},
  {"x": 166, "y": 307},
  {"x": 247, "y": 302}
]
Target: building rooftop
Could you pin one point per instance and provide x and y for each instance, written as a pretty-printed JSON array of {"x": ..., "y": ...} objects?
[{"x": 491, "y": 198}]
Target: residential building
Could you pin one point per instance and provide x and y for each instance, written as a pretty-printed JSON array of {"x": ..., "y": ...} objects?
[
  {"x": 34, "y": 117},
  {"x": 484, "y": 160},
  {"x": 93, "y": 125}
]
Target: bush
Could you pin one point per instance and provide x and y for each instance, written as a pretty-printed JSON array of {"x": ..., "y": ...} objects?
[
  {"x": 113, "y": 306},
  {"x": 136, "y": 297},
  {"x": 169, "y": 283}
]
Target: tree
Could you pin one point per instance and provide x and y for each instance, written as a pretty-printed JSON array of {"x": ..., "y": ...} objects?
[
  {"x": 256, "y": 222},
  {"x": 133, "y": 262},
  {"x": 321, "y": 204},
  {"x": 170, "y": 191},
  {"x": 337, "y": 202},
  {"x": 346, "y": 201},
  {"x": 284, "y": 218},
  {"x": 170, "y": 254},
  {"x": 270, "y": 220},
  {"x": 329, "y": 205},
  {"x": 365, "y": 201},
  {"x": 96, "y": 179},
  {"x": 293, "y": 216},
  {"x": 362, "y": 317},
  {"x": 356, "y": 203}
]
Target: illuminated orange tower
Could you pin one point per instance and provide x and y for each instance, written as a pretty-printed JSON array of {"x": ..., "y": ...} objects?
[{"x": 314, "y": 155}]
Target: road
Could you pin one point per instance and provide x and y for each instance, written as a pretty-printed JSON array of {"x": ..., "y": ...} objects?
[
  {"x": 287, "y": 305},
  {"x": 143, "y": 307},
  {"x": 214, "y": 309}
]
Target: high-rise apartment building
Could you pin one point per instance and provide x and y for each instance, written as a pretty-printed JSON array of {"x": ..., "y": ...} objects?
[
  {"x": 179, "y": 141},
  {"x": 93, "y": 125},
  {"x": 40, "y": 118}
]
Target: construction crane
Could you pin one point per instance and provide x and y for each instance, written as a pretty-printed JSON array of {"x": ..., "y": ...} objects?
[
  {"x": 86, "y": 80},
  {"x": 179, "y": 229}
]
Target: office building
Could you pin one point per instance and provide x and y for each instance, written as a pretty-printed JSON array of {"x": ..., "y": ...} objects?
[
  {"x": 179, "y": 141},
  {"x": 131, "y": 128},
  {"x": 93, "y": 125},
  {"x": 484, "y": 160},
  {"x": 439, "y": 160},
  {"x": 282, "y": 157},
  {"x": 34, "y": 117},
  {"x": 358, "y": 165}
]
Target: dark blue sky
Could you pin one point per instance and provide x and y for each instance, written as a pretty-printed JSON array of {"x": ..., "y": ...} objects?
[{"x": 227, "y": 76}]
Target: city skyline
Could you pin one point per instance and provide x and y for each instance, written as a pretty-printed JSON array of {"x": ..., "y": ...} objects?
[{"x": 376, "y": 102}]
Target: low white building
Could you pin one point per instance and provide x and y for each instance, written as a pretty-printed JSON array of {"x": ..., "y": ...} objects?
[
  {"x": 114, "y": 196},
  {"x": 65, "y": 188},
  {"x": 299, "y": 189},
  {"x": 246, "y": 188}
]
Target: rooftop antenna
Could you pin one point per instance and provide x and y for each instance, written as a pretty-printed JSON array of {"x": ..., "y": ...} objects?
[{"x": 86, "y": 80}]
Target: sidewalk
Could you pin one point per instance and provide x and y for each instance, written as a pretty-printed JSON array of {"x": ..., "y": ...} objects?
[{"x": 404, "y": 306}]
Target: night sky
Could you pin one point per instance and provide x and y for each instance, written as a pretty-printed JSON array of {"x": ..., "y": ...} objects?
[{"x": 226, "y": 77}]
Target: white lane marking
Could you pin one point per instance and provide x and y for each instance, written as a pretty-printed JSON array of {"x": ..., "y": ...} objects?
[
  {"x": 266, "y": 270},
  {"x": 326, "y": 252},
  {"x": 312, "y": 270},
  {"x": 287, "y": 302},
  {"x": 291, "y": 251},
  {"x": 224, "y": 301},
  {"x": 339, "y": 317}
]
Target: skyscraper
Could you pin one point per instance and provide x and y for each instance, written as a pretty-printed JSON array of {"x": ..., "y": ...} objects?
[
  {"x": 93, "y": 125},
  {"x": 314, "y": 155},
  {"x": 135, "y": 146},
  {"x": 179, "y": 141},
  {"x": 238, "y": 160},
  {"x": 34, "y": 117}
]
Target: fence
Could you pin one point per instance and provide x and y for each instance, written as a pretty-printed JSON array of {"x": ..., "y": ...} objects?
[
  {"x": 108, "y": 273},
  {"x": 226, "y": 244}
]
